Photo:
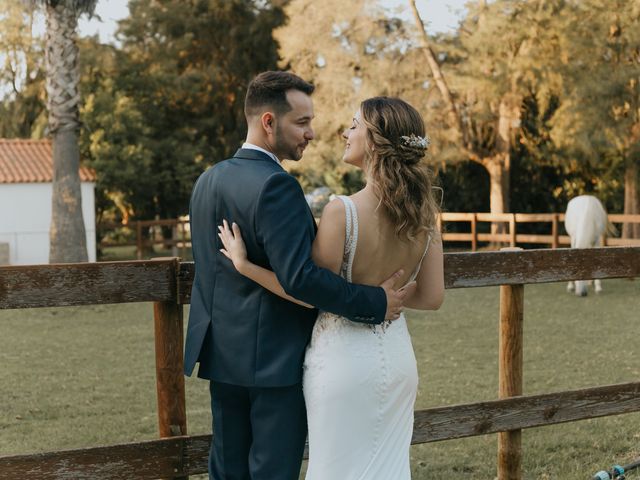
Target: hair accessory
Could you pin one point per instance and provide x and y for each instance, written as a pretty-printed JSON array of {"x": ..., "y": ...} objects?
[{"x": 416, "y": 141}]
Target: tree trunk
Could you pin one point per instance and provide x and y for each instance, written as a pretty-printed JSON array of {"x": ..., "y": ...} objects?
[
  {"x": 67, "y": 236},
  {"x": 454, "y": 118},
  {"x": 631, "y": 199},
  {"x": 68, "y": 241},
  {"x": 499, "y": 166},
  {"x": 496, "y": 175},
  {"x": 499, "y": 177},
  {"x": 508, "y": 122}
]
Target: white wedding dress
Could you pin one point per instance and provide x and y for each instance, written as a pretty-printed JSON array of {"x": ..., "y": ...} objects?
[{"x": 360, "y": 383}]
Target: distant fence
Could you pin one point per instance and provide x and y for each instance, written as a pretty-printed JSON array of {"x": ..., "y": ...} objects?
[
  {"x": 144, "y": 234},
  {"x": 511, "y": 235},
  {"x": 167, "y": 283}
]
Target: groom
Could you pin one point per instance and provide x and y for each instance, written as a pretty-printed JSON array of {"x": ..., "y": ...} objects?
[{"x": 249, "y": 342}]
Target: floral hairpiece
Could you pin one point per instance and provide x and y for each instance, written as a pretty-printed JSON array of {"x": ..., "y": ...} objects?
[{"x": 416, "y": 141}]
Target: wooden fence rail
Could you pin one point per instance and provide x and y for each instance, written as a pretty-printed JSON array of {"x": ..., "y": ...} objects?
[
  {"x": 167, "y": 283},
  {"x": 180, "y": 239},
  {"x": 553, "y": 239},
  {"x": 145, "y": 234}
]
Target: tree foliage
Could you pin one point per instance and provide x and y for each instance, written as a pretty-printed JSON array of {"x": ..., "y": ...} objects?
[
  {"x": 546, "y": 89},
  {"x": 349, "y": 54},
  {"x": 598, "y": 123},
  {"x": 169, "y": 102},
  {"x": 22, "y": 73}
]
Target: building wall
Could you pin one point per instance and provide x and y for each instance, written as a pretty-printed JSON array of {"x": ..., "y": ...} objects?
[{"x": 25, "y": 218}]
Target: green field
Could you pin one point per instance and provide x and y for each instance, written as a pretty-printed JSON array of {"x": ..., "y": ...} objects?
[{"x": 84, "y": 376}]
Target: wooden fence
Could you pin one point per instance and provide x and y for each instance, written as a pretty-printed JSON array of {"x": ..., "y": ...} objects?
[
  {"x": 512, "y": 237},
  {"x": 145, "y": 234},
  {"x": 167, "y": 283},
  {"x": 180, "y": 239}
]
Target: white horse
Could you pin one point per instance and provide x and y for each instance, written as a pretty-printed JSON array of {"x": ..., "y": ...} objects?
[{"x": 585, "y": 221}]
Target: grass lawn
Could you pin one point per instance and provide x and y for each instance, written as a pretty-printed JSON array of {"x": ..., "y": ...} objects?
[{"x": 84, "y": 376}]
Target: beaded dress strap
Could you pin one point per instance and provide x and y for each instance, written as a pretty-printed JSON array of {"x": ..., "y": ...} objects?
[{"x": 351, "y": 236}]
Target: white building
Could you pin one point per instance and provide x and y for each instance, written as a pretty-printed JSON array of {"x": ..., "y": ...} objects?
[{"x": 26, "y": 173}]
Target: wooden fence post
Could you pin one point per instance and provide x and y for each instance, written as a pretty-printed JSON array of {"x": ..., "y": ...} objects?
[
  {"x": 175, "y": 237},
  {"x": 183, "y": 237},
  {"x": 139, "y": 243},
  {"x": 555, "y": 242},
  {"x": 510, "y": 375},
  {"x": 168, "y": 329},
  {"x": 512, "y": 230},
  {"x": 474, "y": 232},
  {"x": 168, "y": 325}
]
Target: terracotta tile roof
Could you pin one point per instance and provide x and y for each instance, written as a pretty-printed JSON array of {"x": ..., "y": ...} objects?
[{"x": 31, "y": 161}]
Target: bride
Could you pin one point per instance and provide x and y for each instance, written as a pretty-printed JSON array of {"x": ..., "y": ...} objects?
[{"x": 360, "y": 381}]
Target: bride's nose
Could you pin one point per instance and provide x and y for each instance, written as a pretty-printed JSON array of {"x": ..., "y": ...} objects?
[{"x": 345, "y": 134}]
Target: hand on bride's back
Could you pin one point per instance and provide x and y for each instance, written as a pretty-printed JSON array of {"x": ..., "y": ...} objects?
[
  {"x": 396, "y": 298},
  {"x": 234, "y": 248}
]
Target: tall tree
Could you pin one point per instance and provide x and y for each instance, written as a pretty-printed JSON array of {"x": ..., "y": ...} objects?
[
  {"x": 349, "y": 54},
  {"x": 68, "y": 242},
  {"x": 493, "y": 64},
  {"x": 169, "y": 102},
  {"x": 599, "y": 121},
  {"x": 22, "y": 106}
]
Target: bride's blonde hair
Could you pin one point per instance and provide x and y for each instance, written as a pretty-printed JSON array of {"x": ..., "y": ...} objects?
[{"x": 401, "y": 181}]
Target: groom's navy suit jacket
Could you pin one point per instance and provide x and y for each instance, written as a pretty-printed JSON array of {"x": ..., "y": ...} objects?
[{"x": 239, "y": 332}]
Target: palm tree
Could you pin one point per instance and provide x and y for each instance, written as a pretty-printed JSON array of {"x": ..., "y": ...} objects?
[{"x": 68, "y": 242}]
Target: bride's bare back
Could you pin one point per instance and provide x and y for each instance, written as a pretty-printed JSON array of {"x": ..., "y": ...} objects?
[{"x": 379, "y": 251}]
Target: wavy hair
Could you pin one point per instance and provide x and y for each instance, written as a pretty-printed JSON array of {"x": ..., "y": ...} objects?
[{"x": 401, "y": 180}]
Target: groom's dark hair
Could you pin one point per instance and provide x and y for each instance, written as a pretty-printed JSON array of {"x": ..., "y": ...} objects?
[{"x": 270, "y": 89}]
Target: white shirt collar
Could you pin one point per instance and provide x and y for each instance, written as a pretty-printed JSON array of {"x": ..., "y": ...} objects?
[{"x": 251, "y": 146}]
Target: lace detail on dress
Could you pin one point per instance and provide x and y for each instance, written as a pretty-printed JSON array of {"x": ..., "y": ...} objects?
[
  {"x": 351, "y": 242},
  {"x": 330, "y": 320},
  {"x": 351, "y": 237},
  {"x": 327, "y": 320}
]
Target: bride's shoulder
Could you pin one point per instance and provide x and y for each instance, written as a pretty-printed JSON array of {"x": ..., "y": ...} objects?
[
  {"x": 333, "y": 212},
  {"x": 333, "y": 221},
  {"x": 327, "y": 251}
]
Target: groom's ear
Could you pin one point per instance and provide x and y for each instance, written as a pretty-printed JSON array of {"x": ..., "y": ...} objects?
[{"x": 267, "y": 120}]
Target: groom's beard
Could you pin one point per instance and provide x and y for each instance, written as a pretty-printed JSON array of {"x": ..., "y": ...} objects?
[{"x": 286, "y": 151}]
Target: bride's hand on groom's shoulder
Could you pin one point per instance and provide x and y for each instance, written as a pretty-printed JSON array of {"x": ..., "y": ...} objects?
[
  {"x": 234, "y": 248},
  {"x": 396, "y": 298}
]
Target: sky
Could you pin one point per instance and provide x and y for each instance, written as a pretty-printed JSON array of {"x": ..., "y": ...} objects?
[{"x": 439, "y": 16}]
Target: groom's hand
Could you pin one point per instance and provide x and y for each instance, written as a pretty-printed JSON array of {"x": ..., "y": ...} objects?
[{"x": 395, "y": 298}]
